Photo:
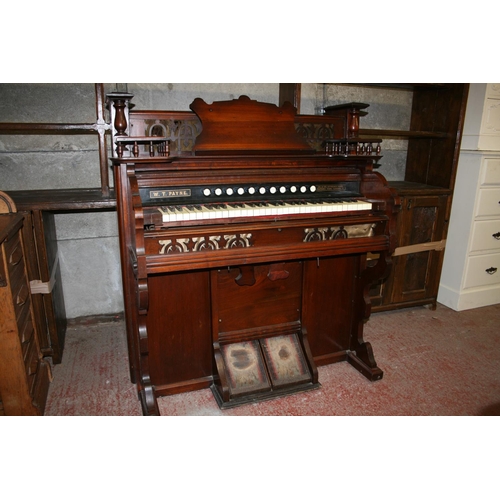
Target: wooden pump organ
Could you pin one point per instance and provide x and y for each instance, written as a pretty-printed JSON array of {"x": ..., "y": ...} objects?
[{"x": 245, "y": 250}]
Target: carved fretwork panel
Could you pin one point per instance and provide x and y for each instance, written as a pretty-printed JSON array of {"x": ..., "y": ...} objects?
[
  {"x": 182, "y": 129},
  {"x": 315, "y": 133},
  {"x": 181, "y": 133}
]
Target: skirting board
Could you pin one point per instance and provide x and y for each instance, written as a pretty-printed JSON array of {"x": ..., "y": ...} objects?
[{"x": 468, "y": 299}]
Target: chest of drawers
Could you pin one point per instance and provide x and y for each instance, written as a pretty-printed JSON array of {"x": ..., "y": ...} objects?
[
  {"x": 471, "y": 270},
  {"x": 24, "y": 374}
]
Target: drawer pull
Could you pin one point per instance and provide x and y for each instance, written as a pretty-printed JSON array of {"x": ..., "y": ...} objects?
[
  {"x": 496, "y": 235},
  {"x": 491, "y": 270}
]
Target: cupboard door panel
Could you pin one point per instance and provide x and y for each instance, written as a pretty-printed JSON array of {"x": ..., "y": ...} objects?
[
  {"x": 416, "y": 273},
  {"x": 178, "y": 325}
]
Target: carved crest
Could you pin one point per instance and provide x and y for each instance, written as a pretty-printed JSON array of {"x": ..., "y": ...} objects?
[{"x": 245, "y": 126}]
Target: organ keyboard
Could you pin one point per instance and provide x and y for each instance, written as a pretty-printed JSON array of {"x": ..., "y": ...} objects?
[
  {"x": 205, "y": 212},
  {"x": 204, "y": 203},
  {"x": 244, "y": 261}
]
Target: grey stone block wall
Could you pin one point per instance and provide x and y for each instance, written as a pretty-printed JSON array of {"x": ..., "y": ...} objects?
[
  {"x": 178, "y": 96},
  {"x": 88, "y": 242},
  {"x": 48, "y": 161},
  {"x": 89, "y": 256}
]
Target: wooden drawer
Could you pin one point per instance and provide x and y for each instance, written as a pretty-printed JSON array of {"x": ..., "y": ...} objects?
[
  {"x": 485, "y": 235},
  {"x": 483, "y": 270},
  {"x": 24, "y": 375},
  {"x": 19, "y": 285},
  {"x": 488, "y": 203},
  {"x": 491, "y": 171}
]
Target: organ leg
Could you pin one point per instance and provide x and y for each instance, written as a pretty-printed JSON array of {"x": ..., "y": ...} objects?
[{"x": 361, "y": 354}]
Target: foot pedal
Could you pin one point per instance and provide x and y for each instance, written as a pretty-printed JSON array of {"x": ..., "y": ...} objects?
[{"x": 262, "y": 369}]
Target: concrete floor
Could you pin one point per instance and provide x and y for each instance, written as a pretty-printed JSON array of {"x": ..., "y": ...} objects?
[{"x": 438, "y": 363}]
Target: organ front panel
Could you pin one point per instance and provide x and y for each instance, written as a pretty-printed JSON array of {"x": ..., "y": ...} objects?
[{"x": 246, "y": 260}]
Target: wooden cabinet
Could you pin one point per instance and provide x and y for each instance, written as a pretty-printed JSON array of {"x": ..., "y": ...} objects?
[
  {"x": 43, "y": 272},
  {"x": 24, "y": 374},
  {"x": 427, "y": 190},
  {"x": 434, "y": 137},
  {"x": 418, "y": 256},
  {"x": 422, "y": 222}
]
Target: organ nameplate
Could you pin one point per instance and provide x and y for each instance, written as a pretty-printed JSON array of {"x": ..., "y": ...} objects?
[
  {"x": 170, "y": 193},
  {"x": 337, "y": 188}
]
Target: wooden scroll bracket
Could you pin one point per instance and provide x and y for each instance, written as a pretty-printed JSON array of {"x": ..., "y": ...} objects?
[
  {"x": 364, "y": 361},
  {"x": 360, "y": 354}
]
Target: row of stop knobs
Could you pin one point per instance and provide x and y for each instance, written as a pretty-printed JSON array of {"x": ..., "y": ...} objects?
[{"x": 261, "y": 190}]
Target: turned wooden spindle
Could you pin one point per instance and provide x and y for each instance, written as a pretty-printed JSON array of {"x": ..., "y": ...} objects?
[
  {"x": 120, "y": 122},
  {"x": 353, "y": 123}
]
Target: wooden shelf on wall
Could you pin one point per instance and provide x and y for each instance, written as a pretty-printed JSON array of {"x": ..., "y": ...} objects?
[
  {"x": 47, "y": 128},
  {"x": 396, "y": 86},
  {"x": 100, "y": 128},
  {"x": 56, "y": 200},
  {"x": 402, "y": 134},
  {"x": 405, "y": 188}
]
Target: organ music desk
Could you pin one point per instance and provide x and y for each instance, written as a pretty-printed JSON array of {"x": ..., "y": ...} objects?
[{"x": 245, "y": 262}]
